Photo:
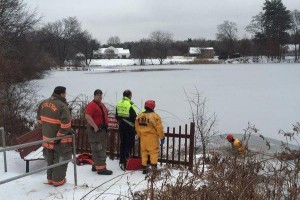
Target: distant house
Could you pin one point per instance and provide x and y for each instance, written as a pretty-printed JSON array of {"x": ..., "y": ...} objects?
[
  {"x": 111, "y": 52},
  {"x": 202, "y": 52},
  {"x": 289, "y": 49}
]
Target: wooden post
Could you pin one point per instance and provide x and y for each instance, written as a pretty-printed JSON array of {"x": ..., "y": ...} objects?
[
  {"x": 167, "y": 152},
  {"x": 179, "y": 147},
  {"x": 185, "y": 145},
  {"x": 173, "y": 148},
  {"x": 192, "y": 139}
]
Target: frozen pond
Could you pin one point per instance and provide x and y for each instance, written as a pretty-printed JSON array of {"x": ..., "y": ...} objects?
[{"x": 266, "y": 95}]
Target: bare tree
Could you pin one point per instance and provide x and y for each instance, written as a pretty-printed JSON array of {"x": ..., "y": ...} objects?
[
  {"x": 227, "y": 33},
  {"x": 59, "y": 37},
  {"x": 256, "y": 25},
  {"x": 15, "y": 19},
  {"x": 205, "y": 123},
  {"x": 161, "y": 44},
  {"x": 113, "y": 40},
  {"x": 109, "y": 53},
  {"x": 86, "y": 45},
  {"x": 142, "y": 50}
]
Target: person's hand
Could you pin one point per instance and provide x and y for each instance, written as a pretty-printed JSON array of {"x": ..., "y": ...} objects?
[
  {"x": 96, "y": 129},
  {"x": 71, "y": 132},
  {"x": 162, "y": 141},
  {"x": 57, "y": 141}
]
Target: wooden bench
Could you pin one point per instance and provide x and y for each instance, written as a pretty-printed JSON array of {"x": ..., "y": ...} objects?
[{"x": 33, "y": 152}]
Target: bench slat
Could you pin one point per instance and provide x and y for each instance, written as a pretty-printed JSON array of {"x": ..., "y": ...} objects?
[{"x": 35, "y": 155}]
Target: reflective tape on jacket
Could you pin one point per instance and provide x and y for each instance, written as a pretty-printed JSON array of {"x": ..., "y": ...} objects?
[
  {"x": 65, "y": 126},
  {"x": 50, "y": 120},
  {"x": 123, "y": 107},
  {"x": 48, "y": 146},
  {"x": 66, "y": 140}
]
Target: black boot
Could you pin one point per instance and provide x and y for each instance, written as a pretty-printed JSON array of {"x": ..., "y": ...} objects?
[
  {"x": 122, "y": 166},
  {"x": 145, "y": 169},
  {"x": 105, "y": 172},
  {"x": 94, "y": 168}
]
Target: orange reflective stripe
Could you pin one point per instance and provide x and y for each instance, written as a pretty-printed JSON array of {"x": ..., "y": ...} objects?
[
  {"x": 59, "y": 183},
  {"x": 101, "y": 167},
  {"x": 50, "y": 120},
  {"x": 68, "y": 125},
  {"x": 59, "y": 134},
  {"x": 48, "y": 146},
  {"x": 66, "y": 140},
  {"x": 40, "y": 121}
]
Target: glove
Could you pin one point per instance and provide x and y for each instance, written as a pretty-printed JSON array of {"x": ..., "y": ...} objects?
[
  {"x": 136, "y": 137},
  {"x": 104, "y": 127},
  {"x": 57, "y": 141},
  {"x": 71, "y": 132},
  {"x": 162, "y": 141}
]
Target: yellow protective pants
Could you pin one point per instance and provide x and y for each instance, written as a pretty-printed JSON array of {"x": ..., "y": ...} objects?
[{"x": 149, "y": 147}]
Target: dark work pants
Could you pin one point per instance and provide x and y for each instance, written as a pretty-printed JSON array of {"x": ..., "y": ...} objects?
[
  {"x": 61, "y": 152},
  {"x": 98, "y": 142},
  {"x": 127, "y": 135}
]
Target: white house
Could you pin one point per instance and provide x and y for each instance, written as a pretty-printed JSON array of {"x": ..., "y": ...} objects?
[
  {"x": 289, "y": 49},
  {"x": 203, "y": 52},
  {"x": 111, "y": 52}
]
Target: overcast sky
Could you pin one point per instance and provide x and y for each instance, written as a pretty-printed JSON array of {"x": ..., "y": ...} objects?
[{"x": 132, "y": 20}]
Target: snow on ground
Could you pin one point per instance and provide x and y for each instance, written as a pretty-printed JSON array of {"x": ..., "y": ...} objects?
[
  {"x": 104, "y": 187},
  {"x": 126, "y": 62},
  {"x": 33, "y": 187},
  {"x": 264, "y": 94}
]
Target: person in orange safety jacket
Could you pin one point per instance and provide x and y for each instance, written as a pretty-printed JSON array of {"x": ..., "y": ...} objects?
[
  {"x": 148, "y": 126},
  {"x": 236, "y": 144}
]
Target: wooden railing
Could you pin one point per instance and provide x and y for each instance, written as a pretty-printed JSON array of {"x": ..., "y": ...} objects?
[{"x": 177, "y": 150}]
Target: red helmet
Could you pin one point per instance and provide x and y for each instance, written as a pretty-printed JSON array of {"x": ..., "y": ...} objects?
[
  {"x": 229, "y": 137},
  {"x": 150, "y": 104}
]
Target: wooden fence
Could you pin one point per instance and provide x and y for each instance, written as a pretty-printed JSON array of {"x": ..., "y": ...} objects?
[{"x": 177, "y": 150}]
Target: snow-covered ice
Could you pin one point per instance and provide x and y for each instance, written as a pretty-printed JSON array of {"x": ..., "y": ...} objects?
[
  {"x": 267, "y": 95},
  {"x": 264, "y": 94}
]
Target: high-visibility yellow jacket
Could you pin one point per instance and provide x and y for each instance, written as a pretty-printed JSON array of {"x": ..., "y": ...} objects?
[
  {"x": 126, "y": 109},
  {"x": 238, "y": 146},
  {"x": 55, "y": 117}
]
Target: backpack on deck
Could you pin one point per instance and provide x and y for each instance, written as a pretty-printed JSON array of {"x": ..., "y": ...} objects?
[
  {"x": 84, "y": 158},
  {"x": 134, "y": 163}
]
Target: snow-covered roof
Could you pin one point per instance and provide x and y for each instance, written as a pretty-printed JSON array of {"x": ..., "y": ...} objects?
[
  {"x": 291, "y": 47},
  {"x": 116, "y": 50},
  {"x": 197, "y": 50}
]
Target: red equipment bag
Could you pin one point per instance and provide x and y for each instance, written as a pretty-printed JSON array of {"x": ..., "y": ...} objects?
[
  {"x": 84, "y": 158},
  {"x": 134, "y": 163}
]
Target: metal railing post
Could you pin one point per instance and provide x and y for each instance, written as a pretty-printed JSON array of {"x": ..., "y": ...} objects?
[
  {"x": 45, "y": 168},
  {"x": 74, "y": 159},
  {"x": 4, "y": 145}
]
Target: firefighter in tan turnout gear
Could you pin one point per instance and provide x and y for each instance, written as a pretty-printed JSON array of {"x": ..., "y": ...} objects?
[
  {"x": 55, "y": 118},
  {"x": 148, "y": 126}
]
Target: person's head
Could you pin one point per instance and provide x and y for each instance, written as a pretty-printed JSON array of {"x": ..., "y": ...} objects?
[
  {"x": 127, "y": 93},
  {"x": 230, "y": 138},
  {"x": 98, "y": 95},
  {"x": 150, "y": 105},
  {"x": 61, "y": 91}
]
